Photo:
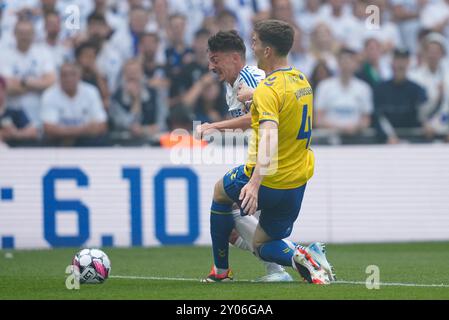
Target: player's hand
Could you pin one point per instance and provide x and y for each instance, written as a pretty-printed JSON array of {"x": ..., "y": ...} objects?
[
  {"x": 204, "y": 130},
  {"x": 249, "y": 197},
  {"x": 245, "y": 93}
]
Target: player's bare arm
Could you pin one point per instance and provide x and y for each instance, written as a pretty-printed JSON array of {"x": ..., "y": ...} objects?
[{"x": 243, "y": 122}]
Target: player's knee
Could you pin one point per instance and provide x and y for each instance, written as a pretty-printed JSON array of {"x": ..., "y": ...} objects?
[{"x": 219, "y": 195}]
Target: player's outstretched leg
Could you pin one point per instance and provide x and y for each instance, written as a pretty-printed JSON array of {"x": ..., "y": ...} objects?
[
  {"x": 246, "y": 226},
  {"x": 221, "y": 225}
]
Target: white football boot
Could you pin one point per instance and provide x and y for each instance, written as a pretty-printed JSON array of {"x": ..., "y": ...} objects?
[
  {"x": 282, "y": 276},
  {"x": 318, "y": 252},
  {"x": 308, "y": 268}
]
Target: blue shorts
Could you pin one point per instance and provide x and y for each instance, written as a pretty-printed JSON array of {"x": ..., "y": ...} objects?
[{"x": 279, "y": 207}]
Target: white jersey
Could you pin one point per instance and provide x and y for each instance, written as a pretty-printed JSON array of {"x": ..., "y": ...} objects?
[
  {"x": 85, "y": 107},
  {"x": 249, "y": 76}
]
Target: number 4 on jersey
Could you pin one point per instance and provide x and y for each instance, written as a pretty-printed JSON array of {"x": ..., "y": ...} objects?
[{"x": 305, "y": 122}]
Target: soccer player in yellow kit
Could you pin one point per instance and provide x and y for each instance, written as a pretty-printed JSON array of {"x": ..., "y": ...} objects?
[{"x": 280, "y": 161}]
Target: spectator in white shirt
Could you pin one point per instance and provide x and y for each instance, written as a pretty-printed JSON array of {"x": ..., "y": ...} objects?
[
  {"x": 344, "y": 103},
  {"x": 342, "y": 23},
  {"x": 323, "y": 46},
  {"x": 126, "y": 41},
  {"x": 15, "y": 128},
  {"x": 59, "y": 51},
  {"x": 406, "y": 14},
  {"x": 435, "y": 17},
  {"x": 72, "y": 113},
  {"x": 433, "y": 76},
  {"x": 29, "y": 70}
]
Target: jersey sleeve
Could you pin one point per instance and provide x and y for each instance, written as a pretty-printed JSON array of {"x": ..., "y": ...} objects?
[
  {"x": 267, "y": 103},
  {"x": 248, "y": 79}
]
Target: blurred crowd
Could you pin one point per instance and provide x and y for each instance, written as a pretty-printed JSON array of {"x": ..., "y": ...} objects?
[{"x": 106, "y": 72}]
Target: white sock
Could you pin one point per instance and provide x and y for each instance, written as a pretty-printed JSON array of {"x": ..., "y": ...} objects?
[
  {"x": 241, "y": 244},
  {"x": 246, "y": 227}
]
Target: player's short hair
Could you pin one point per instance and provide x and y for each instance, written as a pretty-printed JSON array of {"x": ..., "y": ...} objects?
[
  {"x": 227, "y": 41},
  {"x": 275, "y": 33}
]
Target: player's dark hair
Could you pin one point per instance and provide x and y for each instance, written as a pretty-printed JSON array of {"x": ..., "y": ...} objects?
[
  {"x": 227, "y": 41},
  {"x": 277, "y": 34}
]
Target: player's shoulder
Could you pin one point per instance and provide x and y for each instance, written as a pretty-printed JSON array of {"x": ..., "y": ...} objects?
[
  {"x": 279, "y": 78},
  {"x": 255, "y": 71},
  {"x": 251, "y": 75}
]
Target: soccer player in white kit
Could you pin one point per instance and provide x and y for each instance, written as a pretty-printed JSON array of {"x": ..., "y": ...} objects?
[{"x": 227, "y": 59}]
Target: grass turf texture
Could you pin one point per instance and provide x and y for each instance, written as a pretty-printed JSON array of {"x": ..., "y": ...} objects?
[{"x": 40, "y": 274}]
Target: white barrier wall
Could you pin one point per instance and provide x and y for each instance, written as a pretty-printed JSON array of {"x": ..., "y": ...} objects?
[{"x": 132, "y": 197}]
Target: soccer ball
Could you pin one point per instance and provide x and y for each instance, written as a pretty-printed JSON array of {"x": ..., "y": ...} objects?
[{"x": 93, "y": 265}]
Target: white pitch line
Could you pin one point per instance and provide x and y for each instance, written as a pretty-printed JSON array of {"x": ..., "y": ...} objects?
[
  {"x": 154, "y": 278},
  {"x": 386, "y": 284},
  {"x": 397, "y": 284}
]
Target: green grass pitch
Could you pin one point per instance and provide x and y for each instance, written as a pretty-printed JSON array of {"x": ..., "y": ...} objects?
[{"x": 170, "y": 273}]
